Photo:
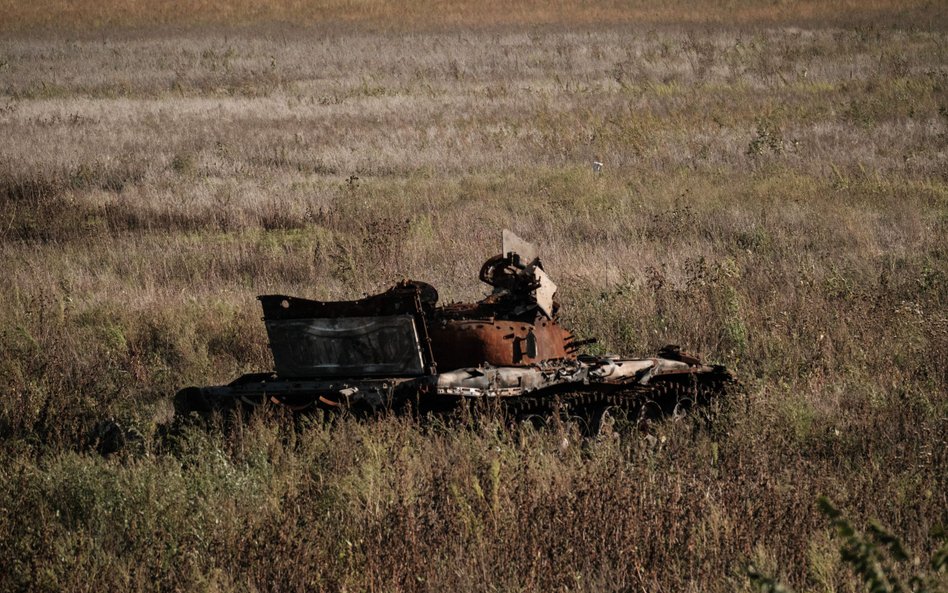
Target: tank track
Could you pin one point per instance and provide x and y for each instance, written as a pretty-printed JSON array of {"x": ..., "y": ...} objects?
[{"x": 662, "y": 397}]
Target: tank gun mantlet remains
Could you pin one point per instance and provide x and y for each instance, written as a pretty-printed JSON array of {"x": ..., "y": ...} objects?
[{"x": 401, "y": 346}]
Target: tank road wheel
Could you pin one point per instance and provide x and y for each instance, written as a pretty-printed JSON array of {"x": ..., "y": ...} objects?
[
  {"x": 297, "y": 404},
  {"x": 251, "y": 403},
  {"x": 603, "y": 419},
  {"x": 683, "y": 405}
]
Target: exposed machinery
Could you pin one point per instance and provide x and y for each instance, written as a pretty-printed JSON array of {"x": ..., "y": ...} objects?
[{"x": 400, "y": 348}]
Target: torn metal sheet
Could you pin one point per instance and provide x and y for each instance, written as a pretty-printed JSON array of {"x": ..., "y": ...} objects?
[{"x": 544, "y": 292}]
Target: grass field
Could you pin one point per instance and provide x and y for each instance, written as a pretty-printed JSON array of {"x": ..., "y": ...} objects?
[{"x": 774, "y": 198}]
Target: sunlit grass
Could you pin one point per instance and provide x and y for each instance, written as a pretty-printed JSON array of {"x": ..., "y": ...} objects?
[{"x": 773, "y": 200}]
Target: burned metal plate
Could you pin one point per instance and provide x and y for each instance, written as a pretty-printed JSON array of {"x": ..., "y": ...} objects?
[
  {"x": 382, "y": 346},
  {"x": 545, "y": 292},
  {"x": 527, "y": 251}
]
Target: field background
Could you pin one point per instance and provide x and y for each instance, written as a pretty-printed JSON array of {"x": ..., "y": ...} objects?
[{"x": 774, "y": 198}]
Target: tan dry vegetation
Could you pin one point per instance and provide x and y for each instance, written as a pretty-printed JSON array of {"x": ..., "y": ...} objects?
[
  {"x": 774, "y": 199},
  {"x": 83, "y": 15}
]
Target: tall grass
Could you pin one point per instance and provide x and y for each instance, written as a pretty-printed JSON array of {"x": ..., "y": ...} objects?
[{"x": 774, "y": 200}]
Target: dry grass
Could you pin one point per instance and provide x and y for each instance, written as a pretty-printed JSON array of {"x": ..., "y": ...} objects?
[
  {"x": 83, "y": 15},
  {"x": 775, "y": 199}
]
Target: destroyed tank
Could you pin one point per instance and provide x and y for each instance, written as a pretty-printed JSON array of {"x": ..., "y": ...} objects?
[{"x": 402, "y": 350}]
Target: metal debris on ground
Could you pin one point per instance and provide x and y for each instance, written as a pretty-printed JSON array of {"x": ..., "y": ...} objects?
[{"x": 402, "y": 349}]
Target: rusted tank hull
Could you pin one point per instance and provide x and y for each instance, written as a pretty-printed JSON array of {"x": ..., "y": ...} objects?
[
  {"x": 466, "y": 343},
  {"x": 401, "y": 348}
]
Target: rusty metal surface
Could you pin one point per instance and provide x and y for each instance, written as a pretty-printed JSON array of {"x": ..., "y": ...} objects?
[{"x": 474, "y": 342}]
